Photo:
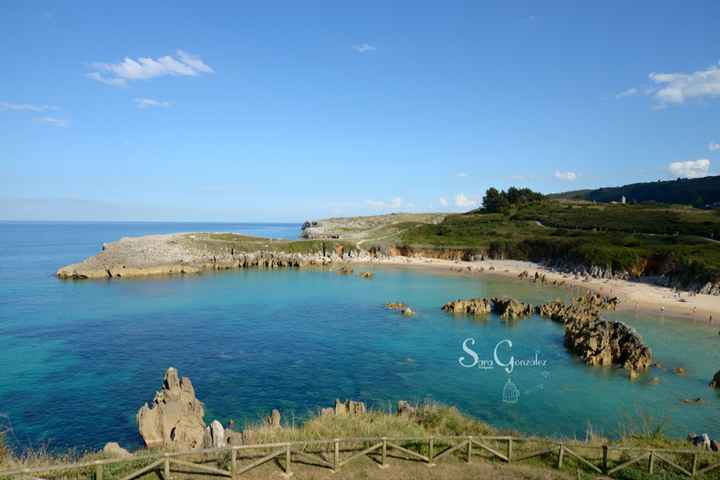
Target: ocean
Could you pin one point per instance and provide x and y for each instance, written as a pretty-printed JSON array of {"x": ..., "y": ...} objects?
[{"x": 79, "y": 358}]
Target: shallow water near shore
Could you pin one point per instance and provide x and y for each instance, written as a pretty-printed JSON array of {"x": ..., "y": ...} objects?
[{"x": 79, "y": 358}]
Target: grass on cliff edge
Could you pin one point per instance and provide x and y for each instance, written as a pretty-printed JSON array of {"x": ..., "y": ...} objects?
[
  {"x": 430, "y": 419},
  {"x": 640, "y": 239}
]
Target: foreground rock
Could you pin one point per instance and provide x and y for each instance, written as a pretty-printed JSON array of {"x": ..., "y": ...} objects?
[
  {"x": 214, "y": 435},
  {"x": 113, "y": 449},
  {"x": 348, "y": 408},
  {"x": 175, "y": 418}
]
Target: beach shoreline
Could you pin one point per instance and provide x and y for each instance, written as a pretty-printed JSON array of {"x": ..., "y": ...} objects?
[{"x": 634, "y": 296}]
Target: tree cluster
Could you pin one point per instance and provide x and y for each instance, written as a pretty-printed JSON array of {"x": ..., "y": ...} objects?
[{"x": 496, "y": 201}]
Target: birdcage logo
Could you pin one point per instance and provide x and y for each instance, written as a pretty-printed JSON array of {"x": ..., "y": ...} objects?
[{"x": 511, "y": 394}]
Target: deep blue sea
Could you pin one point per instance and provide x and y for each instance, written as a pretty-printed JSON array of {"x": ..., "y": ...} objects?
[{"x": 79, "y": 358}]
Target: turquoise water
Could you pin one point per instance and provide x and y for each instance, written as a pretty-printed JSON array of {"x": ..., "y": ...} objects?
[{"x": 79, "y": 358}]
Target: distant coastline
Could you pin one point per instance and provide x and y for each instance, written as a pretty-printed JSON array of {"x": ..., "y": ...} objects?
[{"x": 194, "y": 253}]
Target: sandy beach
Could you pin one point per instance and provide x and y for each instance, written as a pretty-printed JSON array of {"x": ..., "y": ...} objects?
[{"x": 633, "y": 295}]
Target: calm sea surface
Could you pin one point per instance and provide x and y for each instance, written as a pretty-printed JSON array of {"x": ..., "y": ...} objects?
[{"x": 77, "y": 359}]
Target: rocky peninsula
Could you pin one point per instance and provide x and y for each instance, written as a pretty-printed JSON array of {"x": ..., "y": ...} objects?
[{"x": 379, "y": 240}]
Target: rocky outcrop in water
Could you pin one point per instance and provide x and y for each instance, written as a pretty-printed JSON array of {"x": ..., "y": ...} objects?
[
  {"x": 507, "y": 308},
  {"x": 584, "y": 308},
  {"x": 596, "y": 341},
  {"x": 175, "y": 417},
  {"x": 605, "y": 343},
  {"x": 510, "y": 309},
  {"x": 472, "y": 306},
  {"x": 715, "y": 382}
]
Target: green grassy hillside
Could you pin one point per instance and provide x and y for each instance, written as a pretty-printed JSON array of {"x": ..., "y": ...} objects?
[
  {"x": 637, "y": 239},
  {"x": 696, "y": 191}
]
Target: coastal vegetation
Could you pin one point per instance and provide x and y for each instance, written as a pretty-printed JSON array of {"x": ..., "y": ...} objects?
[
  {"x": 419, "y": 421},
  {"x": 698, "y": 192},
  {"x": 678, "y": 243}
]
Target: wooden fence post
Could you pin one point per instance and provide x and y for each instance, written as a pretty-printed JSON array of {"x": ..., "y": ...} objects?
[
  {"x": 233, "y": 463},
  {"x": 166, "y": 470},
  {"x": 431, "y": 451},
  {"x": 651, "y": 463},
  {"x": 288, "y": 461},
  {"x": 509, "y": 450},
  {"x": 384, "y": 453},
  {"x": 560, "y": 456},
  {"x": 694, "y": 464},
  {"x": 605, "y": 459},
  {"x": 469, "y": 449},
  {"x": 98, "y": 471},
  {"x": 336, "y": 455}
]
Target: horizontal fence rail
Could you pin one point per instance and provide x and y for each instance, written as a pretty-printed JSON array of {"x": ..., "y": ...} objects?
[{"x": 333, "y": 454}]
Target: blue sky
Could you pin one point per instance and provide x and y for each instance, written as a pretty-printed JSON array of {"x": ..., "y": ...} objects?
[{"x": 281, "y": 111}]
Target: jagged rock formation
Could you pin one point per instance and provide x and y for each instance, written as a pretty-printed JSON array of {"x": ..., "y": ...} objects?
[
  {"x": 472, "y": 306},
  {"x": 113, "y": 449},
  {"x": 347, "y": 408},
  {"x": 404, "y": 409},
  {"x": 401, "y": 307},
  {"x": 715, "y": 382},
  {"x": 596, "y": 341},
  {"x": 509, "y": 308},
  {"x": 190, "y": 253},
  {"x": 395, "y": 305},
  {"x": 345, "y": 270},
  {"x": 175, "y": 418},
  {"x": 584, "y": 308},
  {"x": 605, "y": 342},
  {"x": 214, "y": 435},
  {"x": 274, "y": 419}
]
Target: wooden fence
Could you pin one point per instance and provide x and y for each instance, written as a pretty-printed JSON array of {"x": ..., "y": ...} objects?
[{"x": 234, "y": 461}]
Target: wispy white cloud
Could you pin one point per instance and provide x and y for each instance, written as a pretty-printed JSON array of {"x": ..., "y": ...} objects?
[
  {"x": 566, "y": 176},
  {"x": 54, "y": 121},
  {"x": 144, "y": 68},
  {"x": 676, "y": 88},
  {"x": 26, "y": 107},
  {"x": 113, "y": 82},
  {"x": 443, "y": 201},
  {"x": 363, "y": 48},
  {"x": 143, "y": 103},
  {"x": 690, "y": 168},
  {"x": 628, "y": 93},
  {"x": 465, "y": 202},
  {"x": 463, "y": 175},
  {"x": 713, "y": 147},
  {"x": 396, "y": 202}
]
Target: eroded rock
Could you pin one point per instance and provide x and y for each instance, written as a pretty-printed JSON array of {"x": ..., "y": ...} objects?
[
  {"x": 715, "y": 382},
  {"x": 113, "y": 449},
  {"x": 175, "y": 417},
  {"x": 472, "y": 306},
  {"x": 509, "y": 308}
]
